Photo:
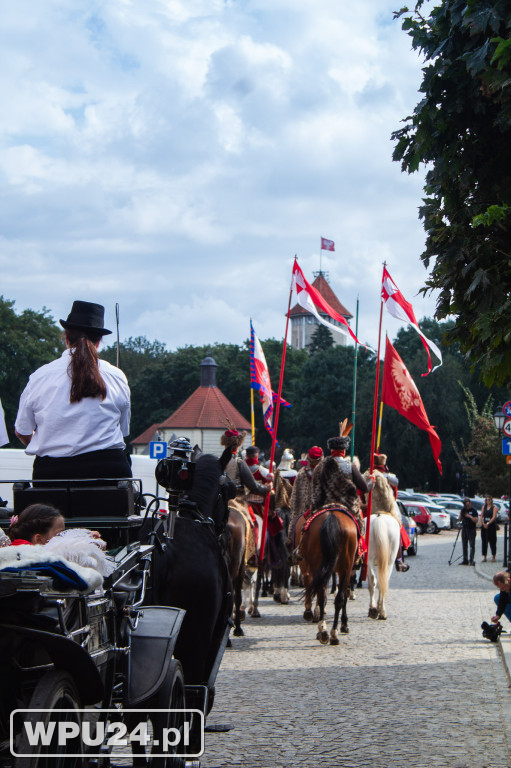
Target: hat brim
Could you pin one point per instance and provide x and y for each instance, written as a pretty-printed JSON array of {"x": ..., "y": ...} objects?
[{"x": 74, "y": 327}]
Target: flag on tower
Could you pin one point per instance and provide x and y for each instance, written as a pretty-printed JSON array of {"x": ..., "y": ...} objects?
[
  {"x": 400, "y": 308},
  {"x": 400, "y": 392},
  {"x": 327, "y": 245}
]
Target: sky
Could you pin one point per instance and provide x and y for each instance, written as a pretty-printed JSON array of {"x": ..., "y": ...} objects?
[{"x": 173, "y": 156}]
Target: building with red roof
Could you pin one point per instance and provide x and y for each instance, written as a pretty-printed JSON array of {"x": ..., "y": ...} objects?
[
  {"x": 303, "y": 323},
  {"x": 202, "y": 418}
]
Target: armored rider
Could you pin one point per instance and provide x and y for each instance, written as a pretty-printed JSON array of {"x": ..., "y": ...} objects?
[{"x": 301, "y": 495}]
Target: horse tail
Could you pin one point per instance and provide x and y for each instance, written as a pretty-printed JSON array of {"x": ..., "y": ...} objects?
[
  {"x": 382, "y": 554},
  {"x": 330, "y": 536}
]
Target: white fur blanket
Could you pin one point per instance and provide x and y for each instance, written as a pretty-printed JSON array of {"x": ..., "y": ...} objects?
[{"x": 26, "y": 555}]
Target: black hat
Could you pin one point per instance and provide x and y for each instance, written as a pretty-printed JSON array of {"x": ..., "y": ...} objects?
[
  {"x": 252, "y": 450},
  {"x": 339, "y": 443},
  {"x": 85, "y": 316}
]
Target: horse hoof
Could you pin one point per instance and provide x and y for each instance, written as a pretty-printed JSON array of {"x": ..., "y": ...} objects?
[
  {"x": 255, "y": 613},
  {"x": 308, "y": 615},
  {"x": 276, "y": 597},
  {"x": 352, "y": 595},
  {"x": 229, "y": 643},
  {"x": 382, "y": 617},
  {"x": 284, "y": 599},
  {"x": 334, "y": 640},
  {"x": 316, "y": 613},
  {"x": 373, "y": 613},
  {"x": 322, "y": 637},
  {"x": 242, "y": 615},
  {"x": 251, "y": 610},
  {"x": 238, "y": 632},
  {"x": 344, "y": 630}
]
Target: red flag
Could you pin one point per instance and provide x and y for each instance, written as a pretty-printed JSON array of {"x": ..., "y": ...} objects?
[
  {"x": 327, "y": 245},
  {"x": 310, "y": 299},
  {"x": 399, "y": 391},
  {"x": 399, "y": 307}
]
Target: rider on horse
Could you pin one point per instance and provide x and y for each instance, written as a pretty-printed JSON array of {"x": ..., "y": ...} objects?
[
  {"x": 301, "y": 495},
  {"x": 384, "y": 500}
]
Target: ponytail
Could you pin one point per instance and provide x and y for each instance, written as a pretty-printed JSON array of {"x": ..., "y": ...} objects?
[
  {"x": 37, "y": 518},
  {"x": 86, "y": 380}
]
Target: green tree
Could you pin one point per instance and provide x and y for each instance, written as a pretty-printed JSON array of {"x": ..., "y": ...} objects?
[
  {"x": 321, "y": 339},
  {"x": 27, "y": 341},
  {"x": 461, "y": 131},
  {"x": 481, "y": 458}
]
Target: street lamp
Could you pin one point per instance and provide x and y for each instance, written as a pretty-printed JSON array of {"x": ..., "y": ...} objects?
[{"x": 499, "y": 417}]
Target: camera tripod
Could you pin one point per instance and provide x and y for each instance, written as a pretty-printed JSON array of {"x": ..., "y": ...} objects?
[{"x": 454, "y": 547}]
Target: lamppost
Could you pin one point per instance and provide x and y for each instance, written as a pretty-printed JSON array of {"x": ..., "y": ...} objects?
[{"x": 499, "y": 417}]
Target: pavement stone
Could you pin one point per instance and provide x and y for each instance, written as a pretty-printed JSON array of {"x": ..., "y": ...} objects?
[{"x": 420, "y": 690}]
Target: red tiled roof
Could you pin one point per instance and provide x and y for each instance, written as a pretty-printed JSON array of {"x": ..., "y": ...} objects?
[
  {"x": 146, "y": 436},
  {"x": 206, "y": 408},
  {"x": 321, "y": 284}
]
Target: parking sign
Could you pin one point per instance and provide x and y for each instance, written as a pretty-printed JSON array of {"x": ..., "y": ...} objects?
[
  {"x": 506, "y": 446},
  {"x": 158, "y": 449}
]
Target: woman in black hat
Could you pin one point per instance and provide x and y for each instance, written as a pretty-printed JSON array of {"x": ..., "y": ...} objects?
[{"x": 75, "y": 411}]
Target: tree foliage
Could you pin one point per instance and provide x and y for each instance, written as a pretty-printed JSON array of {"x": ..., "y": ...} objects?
[
  {"x": 321, "y": 339},
  {"x": 461, "y": 131},
  {"x": 27, "y": 341},
  {"x": 483, "y": 465}
]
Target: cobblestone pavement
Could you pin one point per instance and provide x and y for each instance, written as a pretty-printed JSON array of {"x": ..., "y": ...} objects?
[{"x": 422, "y": 689}]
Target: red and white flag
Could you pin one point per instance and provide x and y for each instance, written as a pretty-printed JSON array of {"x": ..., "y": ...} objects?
[
  {"x": 260, "y": 380},
  {"x": 327, "y": 245},
  {"x": 400, "y": 392},
  {"x": 401, "y": 309},
  {"x": 310, "y": 299}
]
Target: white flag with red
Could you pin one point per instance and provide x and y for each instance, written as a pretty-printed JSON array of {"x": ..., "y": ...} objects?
[
  {"x": 310, "y": 299},
  {"x": 327, "y": 245},
  {"x": 400, "y": 308}
]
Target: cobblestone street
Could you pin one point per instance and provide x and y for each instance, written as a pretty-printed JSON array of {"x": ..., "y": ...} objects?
[{"x": 422, "y": 689}]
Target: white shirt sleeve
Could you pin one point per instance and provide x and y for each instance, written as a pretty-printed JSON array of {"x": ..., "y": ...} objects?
[
  {"x": 4, "y": 437},
  {"x": 25, "y": 420}
]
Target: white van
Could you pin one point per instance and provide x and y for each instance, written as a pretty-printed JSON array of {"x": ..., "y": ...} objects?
[{"x": 15, "y": 464}]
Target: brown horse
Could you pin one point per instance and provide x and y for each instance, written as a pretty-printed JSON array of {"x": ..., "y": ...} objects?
[
  {"x": 240, "y": 532},
  {"x": 328, "y": 547}
]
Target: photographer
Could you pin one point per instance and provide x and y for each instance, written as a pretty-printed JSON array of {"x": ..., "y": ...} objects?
[
  {"x": 468, "y": 516},
  {"x": 502, "y": 580}
]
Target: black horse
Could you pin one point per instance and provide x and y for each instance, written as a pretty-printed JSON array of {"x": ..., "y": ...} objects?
[{"x": 191, "y": 572}]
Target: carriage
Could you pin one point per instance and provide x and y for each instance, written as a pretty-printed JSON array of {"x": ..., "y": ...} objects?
[{"x": 101, "y": 662}]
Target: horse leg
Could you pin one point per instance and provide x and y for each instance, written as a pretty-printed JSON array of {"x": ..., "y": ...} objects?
[
  {"x": 373, "y": 610},
  {"x": 344, "y": 600},
  {"x": 255, "y": 608},
  {"x": 307, "y": 614},
  {"x": 353, "y": 580},
  {"x": 334, "y": 584},
  {"x": 238, "y": 589},
  {"x": 322, "y": 635},
  {"x": 334, "y": 635}
]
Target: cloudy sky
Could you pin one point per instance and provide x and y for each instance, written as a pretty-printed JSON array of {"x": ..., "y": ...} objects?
[{"x": 174, "y": 156}]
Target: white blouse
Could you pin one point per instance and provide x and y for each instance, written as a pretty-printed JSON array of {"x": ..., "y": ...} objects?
[{"x": 69, "y": 429}]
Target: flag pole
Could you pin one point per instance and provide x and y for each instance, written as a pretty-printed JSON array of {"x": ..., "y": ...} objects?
[
  {"x": 379, "y": 424},
  {"x": 252, "y": 417},
  {"x": 353, "y": 407},
  {"x": 373, "y": 432},
  {"x": 275, "y": 425}
]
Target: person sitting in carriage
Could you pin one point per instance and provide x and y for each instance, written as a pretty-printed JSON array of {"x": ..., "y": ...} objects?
[
  {"x": 74, "y": 412},
  {"x": 384, "y": 500}
]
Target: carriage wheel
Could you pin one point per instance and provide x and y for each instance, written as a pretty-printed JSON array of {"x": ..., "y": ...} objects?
[
  {"x": 55, "y": 691},
  {"x": 170, "y": 696}
]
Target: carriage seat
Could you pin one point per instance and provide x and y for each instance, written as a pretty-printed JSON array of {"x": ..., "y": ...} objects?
[{"x": 78, "y": 499}]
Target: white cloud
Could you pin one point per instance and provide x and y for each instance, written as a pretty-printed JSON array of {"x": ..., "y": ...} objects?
[{"x": 174, "y": 155}]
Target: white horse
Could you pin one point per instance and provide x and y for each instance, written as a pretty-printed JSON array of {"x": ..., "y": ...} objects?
[{"x": 384, "y": 540}]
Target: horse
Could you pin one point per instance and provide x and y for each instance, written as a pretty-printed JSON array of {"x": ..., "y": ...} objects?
[
  {"x": 329, "y": 545},
  {"x": 191, "y": 572},
  {"x": 238, "y": 553},
  {"x": 384, "y": 537}
]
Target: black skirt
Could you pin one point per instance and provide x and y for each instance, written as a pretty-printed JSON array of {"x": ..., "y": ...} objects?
[{"x": 108, "y": 463}]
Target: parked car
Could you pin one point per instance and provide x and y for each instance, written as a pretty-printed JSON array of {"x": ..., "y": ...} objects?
[
  {"x": 502, "y": 510},
  {"x": 421, "y": 516},
  {"x": 453, "y": 510},
  {"x": 410, "y": 526},
  {"x": 439, "y": 518}
]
